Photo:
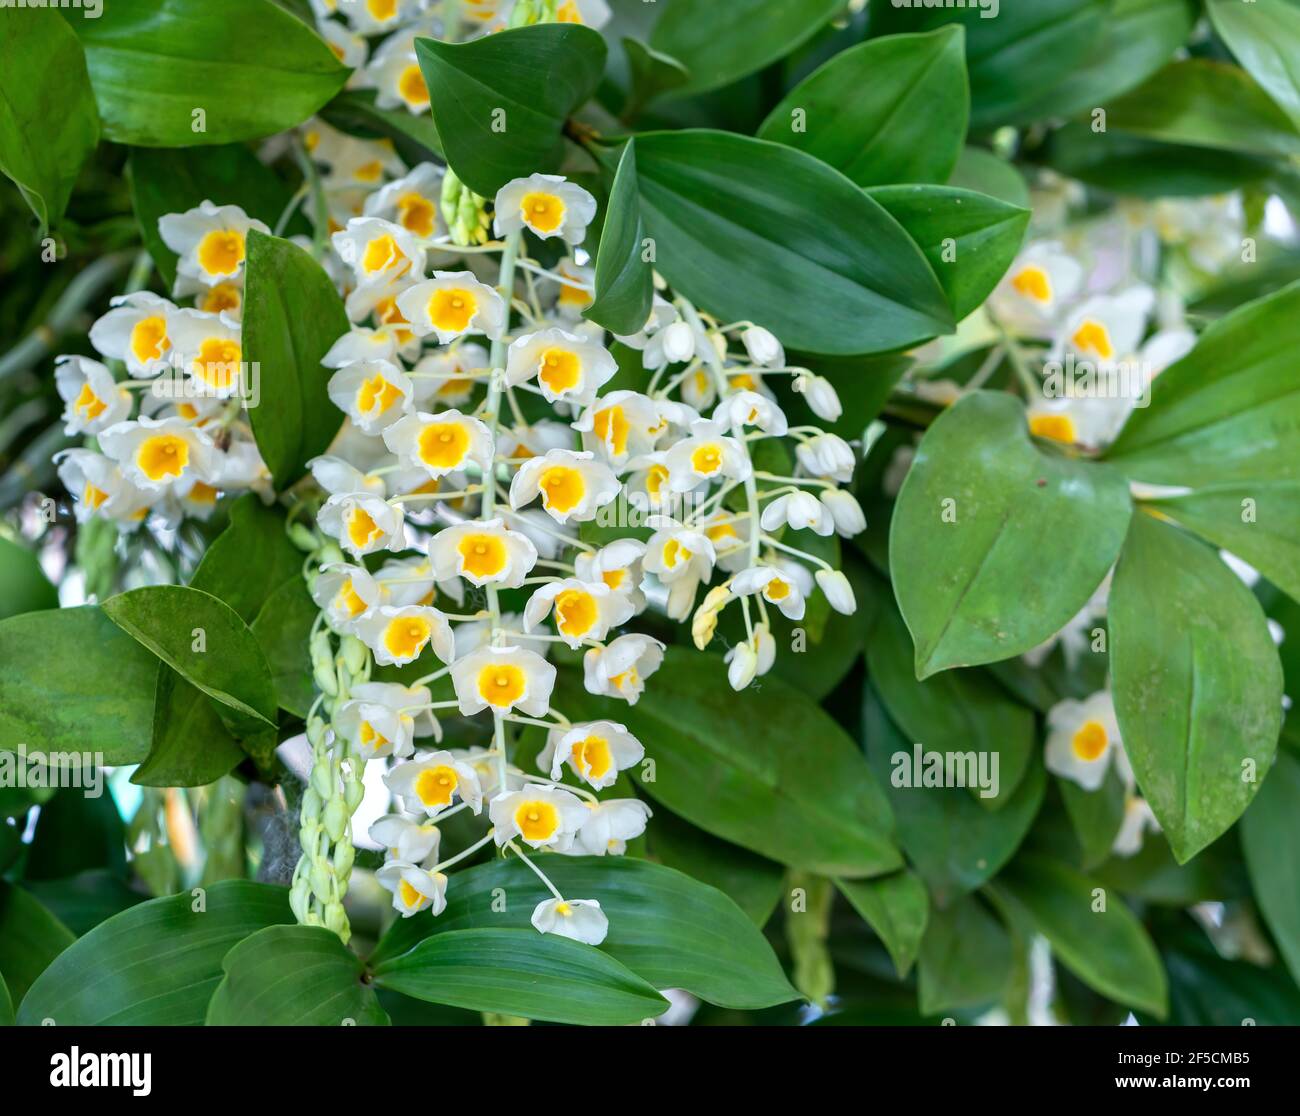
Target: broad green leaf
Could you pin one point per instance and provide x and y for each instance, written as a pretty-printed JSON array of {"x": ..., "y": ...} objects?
[
  {"x": 83, "y": 901},
  {"x": 77, "y": 830},
  {"x": 1265, "y": 37},
  {"x": 1227, "y": 412},
  {"x": 292, "y": 315},
  {"x": 1206, "y": 104},
  {"x": 500, "y": 102},
  {"x": 1015, "y": 52},
  {"x": 1199, "y": 725},
  {"x": 1095, "y": 815},
  {"x": 624, "y": 279},
  {"x": 982, "y": 513},
  {"x": 156, "y": 964},
  {"x": 985, "y": 173},
  {"x": 248, "y": 65},
  {"x": 650, "y": 74},
  {"x": 1269, "y": 828},
  {"x": 960, "y": 712},
  {"x": 293, "y": 976},
  {"x": 1255, "y": 520},
  {"x": 173, "y": 180},
  {"x": 1108, "y": 949},
  {"x": 1127, "y": 164},
  {"x": 954, "y": 844},
  {"x": 897, "y": 908},
  {"x": 718, "y": 43},
  {"x": 414, "y": 135},
  {"x": 283, "y": 628},
  {"x": 965, "y": 958},
  {"x": 969, "y": 239},
  {"x": 204, "y": 640},
  {"x": 522, "y": 972},
  {"x": 1214, "y": 875},
  {"x": 730, "y": 767},
  {"x": 753, "y": 882},
  {"x": 884, "y": 111},
  {"x": 740, "y": 227},
  {"x": 191, "y": 745},
  {"x": 23, "y": 585},
  {"x": 250, "y": 559},
  {"x": 30, "y": 940},
  {"x": 84, "y": 684},
  {"x": 6, "y": 1005},
  {"x": 48, "y": 122}
]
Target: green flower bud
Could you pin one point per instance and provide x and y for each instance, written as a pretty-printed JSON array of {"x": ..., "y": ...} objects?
[
  {"x": 354, "y": 654},
  {"x": 335, "y": 819},
  {"x": 303, "y": 537}
]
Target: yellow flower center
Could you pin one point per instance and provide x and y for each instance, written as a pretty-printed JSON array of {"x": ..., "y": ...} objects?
[
  {"x": 592, "y": 757},
  {"x": 575, "y": 612},
  {"x": 675, "y": 554},
  {"x": 349, "y": 600},
  {"x": 482, "y": 555},
  {"x": 707, "y": 459},
  {"x": 1032, "y": 282},
  {"x": 611, "y": 427},
  {"x": 383, "y": 253},
  {"x": 406, "y": 636},
  {"x": 501, "y": 684},
  {"x": 443, "y": 444},
  {"x": 88, "y": 405},
  {"x": 1093, "y": 337},
  {"x": 452, "y": 308},
  {"x": 655, "y": 479},
  {"x": 217, "y": 364},
  {"x": 149, "y": 339},
  {"x": 362, "y": 529},
  {"x": 163, "y": 455},
  {"x": 93, "y": 496},
  {"x": 224, "y": 296},
  {"x": 411, "y": 897},
  {"x": 221, "y": 252},
  {"x": 562, "y": 488},
  {"x": 413, "y": 90},
  {"x": 370, "y": 738},
  {"x": 613, "y": 578},
  {"x": 776, "y": 589},
  {"x": 1090, "y": 741},
  {"x": 560, "y": 370},
  {"x": 369, "y": 172},
  {"x": 1058, "y": 427},
  {"x": 202, "y": 493},
  {"x": 377, "y": 394},
  {"x": 542, "y": 212},
  {"x": 436, "y": 785},
  {"x": 382, "y": 9},
  {"x": 537, "y": 821},
  {"x": 414, "y": 211}
]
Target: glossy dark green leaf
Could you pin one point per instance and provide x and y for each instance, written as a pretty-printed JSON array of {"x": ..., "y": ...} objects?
[
  {"x": 740, "y": 227},
  {"x": 718, "y": 43},
  {"x": 1254, "y": 520},
  {"x": 985, "y": 173},
  {"x": 1227, "y": 412},
  {"x": 173, "y": 180},
  {"x": 1200, "y": 725},
  {"x": 191, "y": 744},
  {"x": 204, "y": 640},
  {"x": 250, "y": 559},
  {"x": 953, "y": 843},
  {"x": 1208, "y": 990},
  {"x": 1106, "y": 948},
  {"x": 500, "y": 102},
  {"x": 249, "y": 65},
  {"x": 292, "y": 315},
  {"x": 157, "y": 963},
  {"x": 1269, "y": 828},
  {"x": 43, "y": 79},
  {"x": 83, "y": 901},
  {"x": 77, "y": 830},
  {"x": 414, "y": 135},
  {"x": 884, "y": 111},
  {"x": 6, "y": 1005},
  {"x": 624, "y": 278},
  {"x": 293, "y": 976},
  {"x": 1206, "y": 104},
  {"x": 965, "y": 958},
  {"x": 1095, "y": 815},
  {"x": 969, "y": 239},
  {"x": 1265, "y": 37},
  {"x": 897, "y": 908},
  {"x": 522, "y": 972},
  {"x": 23, "y": 585},
  {"x": 733, "y": 771},
  {"x": 982, "y": 513},
  {"x": 1215, "y": 875},
  {"x": 31, "y": 938},
  {"x": 669, "y": 929},
  {"x": 84, "y": 684},
  {"x": 283, "y": 628},
  {"x": 651, "y": 73}
]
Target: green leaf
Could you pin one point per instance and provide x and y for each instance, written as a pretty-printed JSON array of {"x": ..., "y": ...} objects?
[
  {"x": 191, "y": 746},
  {"x": 954, "y": 844},
  {"x": 1206, "y": 104},
  {"x": 522, "y": 972},
  {"x": 292, "y": 315},
  {"x": 501, "y": 101},
  {"x": 43, "y": 80},
  {"x": 969, "y": 239},
  {"x": 650, "y": 74},
  {"x": 884, "y": 111},
  {"x": 670, "y": 930},
  {"x": 965, "y": 958},
  {"x": 414, "y": 135},
  {"x": 83, "y": 680},
  {"x": 83, "y": 901},
  {"x": 254, "y": 540},
  {"x": 1271, "y": 825},
  {"x": 957, "y": 711},
  {"x": 972, "y": 590},
  {"x": 252, "y": 68},
  {"x": 897, "y": 908},
  {"x": 6, "y": 1005},
  {"x": 30, "y": 940},
  {"x": 740, "y": 227},
  {"x": 156, "y": 964},
  {"x": 719, "y": 43},
  {"x": 1256, "y": 521},
  {"x": 624, "y": 280},
  {"x": 283, "y": 628},
  {"x": 1190, "y": 715},
  {"x": 225, "y": 661},
  {"x": 293, "y": 976},
  {"x": 77, "y": 830},
  {"x": 1227, "y": 411},
  {"x": 729, "y": 767},
  {"x": 23, "y": 585},
  {"x": 985, "y": 173},
  {"x": 1095, "y": 815},
  {"x": 1108, "y": 949},
  {"x": 1265, "y": 37},
  {"x": 753, "y": 882},
  {"x": 173, "y": 180},
  {"x": 1015, "y": 53}
]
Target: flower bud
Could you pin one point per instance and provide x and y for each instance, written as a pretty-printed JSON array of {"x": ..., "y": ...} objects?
[
  {"x": 706, "y": 616},
  {"x": 763, "y": 347},
  {"x": 764, "y": 648},
  {"x": 322, "y": 877},
  {"x": 311, "y": 805},
  {"x": 679, "y": 343},
  {"x": 838, "y": 591},
  {"x": 743, "y": 666},
  {"x": 336, "y": 919},
  {"x": 354, "y": 654},
  {"x": 845, "y": 511},
  {"x": 303, "y": 537},
  {"x": 822, "y": 398},
  {"x": 335, "y": 819},
  {"x": 344, "y": 856}
]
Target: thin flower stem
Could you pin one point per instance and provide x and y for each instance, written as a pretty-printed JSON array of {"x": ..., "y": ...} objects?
[
  {"x": 470, "y": 851},
  {"x": 536, "y": 871}
]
